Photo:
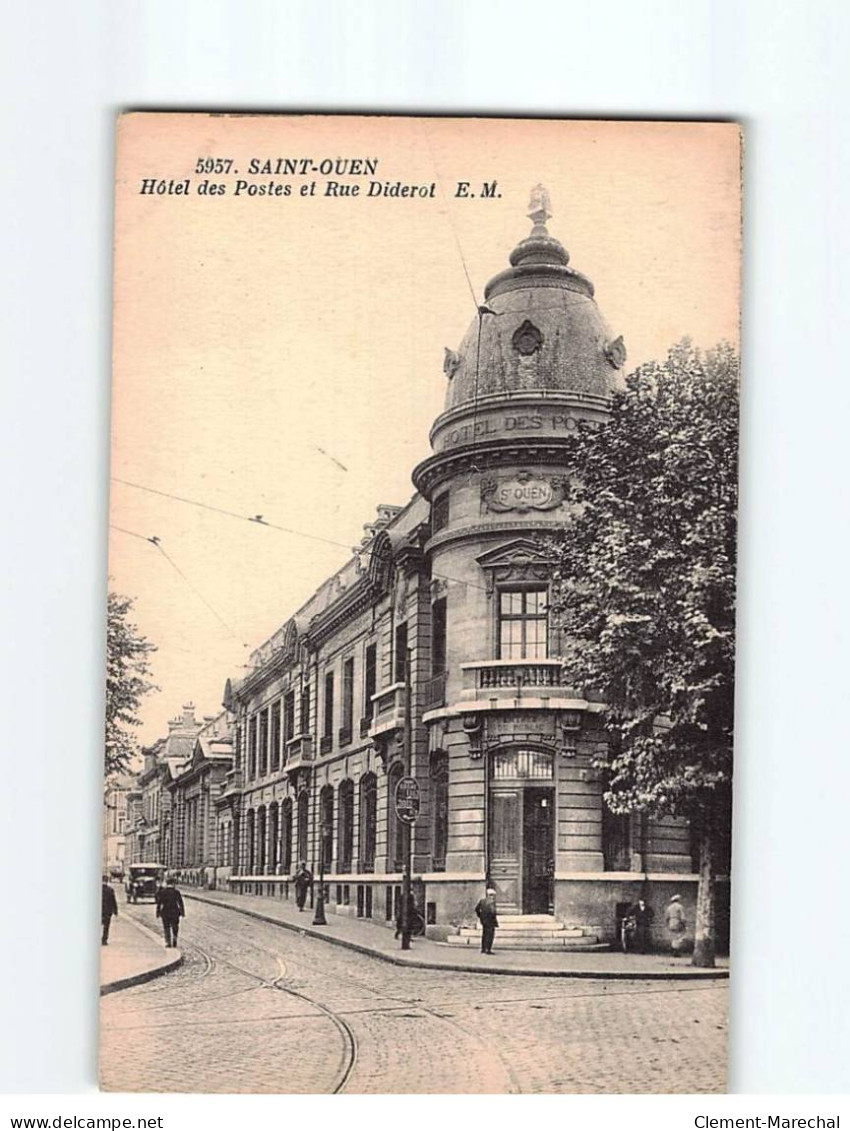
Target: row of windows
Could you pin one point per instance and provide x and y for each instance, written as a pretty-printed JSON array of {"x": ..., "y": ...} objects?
[
  {"x": 523, "y": 634},
  {"x": 278, "y": 837}
]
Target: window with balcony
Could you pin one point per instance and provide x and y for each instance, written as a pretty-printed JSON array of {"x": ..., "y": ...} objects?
[
  {"x": 370, "y": 682},
  {"x": 400, "y": 657},
  {"x": 289, "y": 716},
  {"x": 264, "y": 743},
  {"x": 328, "y": 716},
  {"x": 252, "y": 747},
  {"x": 305, "y": 709},
  {"x": 275, "y": 736},
  {"x": 436, "y": 689},
  {"x": 347, "y": 722},
  {"x": 523, "y": 624}
]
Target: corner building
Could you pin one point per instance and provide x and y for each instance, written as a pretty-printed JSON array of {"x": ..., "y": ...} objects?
[{"x": 459, "y": 581}]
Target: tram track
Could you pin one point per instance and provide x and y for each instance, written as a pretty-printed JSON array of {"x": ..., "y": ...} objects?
[{"x": 349, "y": 1039}]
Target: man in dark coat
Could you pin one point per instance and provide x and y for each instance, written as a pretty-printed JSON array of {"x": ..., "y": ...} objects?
[
  {"x": 642, "y": 914},
  {"x": 170, "y": 909},
  {"x": 485, "y": 909},
  {"x": 108, "y": 908},
  {"x": 303, "y": 883}
]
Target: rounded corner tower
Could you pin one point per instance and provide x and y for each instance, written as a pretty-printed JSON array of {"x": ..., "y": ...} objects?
[{"x": 517, "y": 745}]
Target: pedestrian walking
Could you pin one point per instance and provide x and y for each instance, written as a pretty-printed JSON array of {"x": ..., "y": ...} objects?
[
  {"x": 674, "y": 917},
  {"x": 485, "y": 909},
  {"x": 170, "y": 909},
  {"x": 642, "y": 914},
  {"x": 303, "y": 883},
  {"x": 412, "y": 916},
  {"x": 108, "y": 908}
]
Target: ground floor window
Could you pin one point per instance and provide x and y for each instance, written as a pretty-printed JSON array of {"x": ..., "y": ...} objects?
[
  {"x": 616, "y": 840},
  {"x": 395, "y": 827},
  {"x": 439, "y": 810},
  {"x": 345, "y": 848},
  {"x": 368, "y": 821},
  {"x": 249, "y": 835},
  {"x": 303, "y": 827},
  {"x": 326, "y": 832},
  {"x": 286, "y": 836}
]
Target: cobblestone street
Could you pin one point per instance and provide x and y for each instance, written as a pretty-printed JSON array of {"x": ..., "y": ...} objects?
[{"x": 259, "y": 1009}]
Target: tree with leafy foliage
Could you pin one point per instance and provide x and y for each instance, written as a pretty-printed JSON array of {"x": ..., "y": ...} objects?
[
  {"x": 644, "y": 590},
  {"x": 127, "y": 683}
]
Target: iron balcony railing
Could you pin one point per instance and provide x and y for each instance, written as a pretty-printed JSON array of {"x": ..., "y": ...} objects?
[{"x": 435, "y": 691}]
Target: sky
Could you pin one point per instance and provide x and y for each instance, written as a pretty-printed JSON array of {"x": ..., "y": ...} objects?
[{"x": 281, "y": 355}]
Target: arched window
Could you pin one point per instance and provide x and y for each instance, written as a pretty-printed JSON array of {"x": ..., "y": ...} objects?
[
  {"x": 303, "y": 829},
  {"x": 395, "y": 827},
  {"x": 326, "y": 832},
  {"x": 261, "y": 841},
  {"x": 274, "y": 838},
  {"x": 249, "y": 837},
  {"x": 286, "y": 836},
  {"x": 439, "y": 810},
  {"x": 368, "y": 821},
  {"x": 345, "y": 848}
]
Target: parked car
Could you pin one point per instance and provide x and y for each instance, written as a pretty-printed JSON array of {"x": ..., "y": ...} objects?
[{"x": 144, "y": 881}]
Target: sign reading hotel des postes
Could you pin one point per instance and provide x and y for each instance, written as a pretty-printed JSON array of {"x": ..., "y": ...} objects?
[
  {"x": 407, "y": 799},
  {"x": 523, "y": 492}
]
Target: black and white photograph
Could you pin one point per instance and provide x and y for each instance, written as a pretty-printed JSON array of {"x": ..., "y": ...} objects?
[{"x": 422, "y": 599}]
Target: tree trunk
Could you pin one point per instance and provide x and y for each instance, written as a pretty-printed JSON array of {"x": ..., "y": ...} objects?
[{"x": 704, "y": 942}]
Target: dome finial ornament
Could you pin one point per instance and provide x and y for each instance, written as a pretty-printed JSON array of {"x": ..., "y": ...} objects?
[{"x": 539, "y": 209}]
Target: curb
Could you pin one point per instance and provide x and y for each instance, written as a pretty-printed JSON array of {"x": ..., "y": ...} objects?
[
  {"x": 145, "y": 975},
  {"x": 680, "y": 974}
]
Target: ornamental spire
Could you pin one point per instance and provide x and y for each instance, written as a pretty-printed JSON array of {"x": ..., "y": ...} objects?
[{"x": 539, "y": 210}]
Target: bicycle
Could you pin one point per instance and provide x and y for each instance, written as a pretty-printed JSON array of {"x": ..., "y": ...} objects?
[{"x": 628, "y": 930}]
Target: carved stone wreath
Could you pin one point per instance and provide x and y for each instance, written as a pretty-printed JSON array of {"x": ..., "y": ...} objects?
[{"x": 527, "y": 340}]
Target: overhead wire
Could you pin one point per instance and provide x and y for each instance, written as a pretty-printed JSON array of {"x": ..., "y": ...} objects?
[
  {"x": 157, "y": 544},
  {"x": 261, "y": 521}
]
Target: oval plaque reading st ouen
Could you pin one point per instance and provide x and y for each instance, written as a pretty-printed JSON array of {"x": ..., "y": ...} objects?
[
  {"x": 407, "y": 799},
  {"x": 522, "y": 492}
]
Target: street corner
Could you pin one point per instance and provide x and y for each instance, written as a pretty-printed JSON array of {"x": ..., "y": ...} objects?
[{"x": 134, "y": 954}]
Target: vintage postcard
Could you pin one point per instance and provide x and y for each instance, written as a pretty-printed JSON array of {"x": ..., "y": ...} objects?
[{"x": 420, "y": 685}]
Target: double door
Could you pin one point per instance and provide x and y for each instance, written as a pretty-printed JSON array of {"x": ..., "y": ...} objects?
[{"x": 522, "y": 847}]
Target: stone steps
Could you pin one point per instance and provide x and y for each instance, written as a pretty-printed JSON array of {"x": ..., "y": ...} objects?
[
  {"x": 576, "y": 946},
  {"x": 534, "y": 932}
]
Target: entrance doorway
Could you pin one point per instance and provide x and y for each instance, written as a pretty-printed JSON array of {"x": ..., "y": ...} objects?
[
  {"x": 522, "y": 831},
  {"x": 538, "y": 851}
]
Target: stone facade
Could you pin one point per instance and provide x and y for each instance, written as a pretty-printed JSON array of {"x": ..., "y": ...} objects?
[{"x": 456, "y": 583}]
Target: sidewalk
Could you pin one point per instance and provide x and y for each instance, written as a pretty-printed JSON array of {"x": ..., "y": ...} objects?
[
  {"x": 134, "y": 955},
  {"x": 368, "y": 938}
]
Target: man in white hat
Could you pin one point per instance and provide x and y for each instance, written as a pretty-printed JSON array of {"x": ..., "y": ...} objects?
[
  {"x": 485, "y": 909},
  {"x": 674, "y": 917}
]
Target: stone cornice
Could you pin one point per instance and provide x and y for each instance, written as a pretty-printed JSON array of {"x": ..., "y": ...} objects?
[
  {"x": 479, "y": 530},
  {"x": 486, "y": 455}
]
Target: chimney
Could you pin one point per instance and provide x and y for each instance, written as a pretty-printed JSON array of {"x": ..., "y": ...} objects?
[{"x": 189, "y": 715}]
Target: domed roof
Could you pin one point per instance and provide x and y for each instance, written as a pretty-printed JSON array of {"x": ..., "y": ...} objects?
[{"x": 539, "y": 327}]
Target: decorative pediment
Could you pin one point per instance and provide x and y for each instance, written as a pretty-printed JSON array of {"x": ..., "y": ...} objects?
[
  {"x": 518, "y": 550},
  {"x": 520, "y": 560}
]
